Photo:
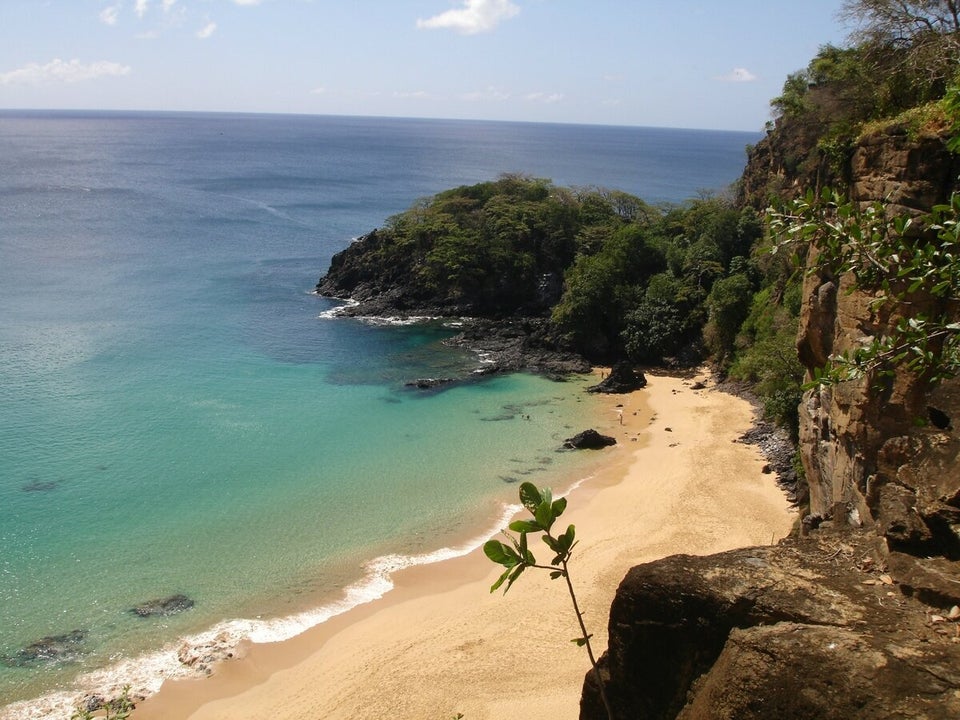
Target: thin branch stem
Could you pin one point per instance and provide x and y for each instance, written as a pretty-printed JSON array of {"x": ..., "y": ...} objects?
[{"x": 586, "y": 641}]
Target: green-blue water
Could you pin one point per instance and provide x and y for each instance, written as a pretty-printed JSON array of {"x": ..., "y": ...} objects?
[{"x": 177, "y": 416}]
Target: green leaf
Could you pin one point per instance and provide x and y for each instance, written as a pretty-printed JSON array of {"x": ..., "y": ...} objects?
[
  {"x": 530, "y": 496},
  {"x": 500, "y": 553},
  {"x": 500, "y": 580},
  {"x": 556, "y": 574},
  {"x": 525, "y": 553},
  {"x": 513, "y": 578},
  {"x": 544, "y": 515},
  {"x": 525, "y": 526},
  {"x": 581, "y": 641},
  {"x": 558, "y": 507}
]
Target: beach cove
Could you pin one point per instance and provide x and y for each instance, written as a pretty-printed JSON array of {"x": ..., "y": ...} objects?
[{"x": 440, "y": 644}]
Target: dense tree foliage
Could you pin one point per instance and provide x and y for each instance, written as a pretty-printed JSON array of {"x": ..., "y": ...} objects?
[{"x": 617, "y": 277}]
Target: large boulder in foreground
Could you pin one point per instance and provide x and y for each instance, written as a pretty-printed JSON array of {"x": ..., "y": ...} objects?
[{"x": 828, "y": 626}]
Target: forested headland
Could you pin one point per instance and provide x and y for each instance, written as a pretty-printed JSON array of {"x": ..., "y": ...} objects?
[{"x": 615, "y": 278}]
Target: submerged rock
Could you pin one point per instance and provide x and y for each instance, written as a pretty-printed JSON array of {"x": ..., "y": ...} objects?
[
  {"x": 50, "y": 649},
  {"x": 40, "y": 486},
  {"x": 163, "y": 606},
  {"x": 429, "y": 383},
  {"x": 588, "y": 440}
]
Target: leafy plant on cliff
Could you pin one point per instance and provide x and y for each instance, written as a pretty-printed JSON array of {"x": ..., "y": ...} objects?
[
  {"x": 516, "y": 557},
  {"x": 911, "y": 266}
]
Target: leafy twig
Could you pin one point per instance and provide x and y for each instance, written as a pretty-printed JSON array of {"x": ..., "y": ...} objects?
[{"x": 517, "y": 557}]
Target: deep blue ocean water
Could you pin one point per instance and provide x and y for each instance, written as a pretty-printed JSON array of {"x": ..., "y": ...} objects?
[{"x": 177, "y": 415}]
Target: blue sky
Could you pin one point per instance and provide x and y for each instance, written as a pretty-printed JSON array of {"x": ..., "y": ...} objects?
[{"x": 685, "y": 63}]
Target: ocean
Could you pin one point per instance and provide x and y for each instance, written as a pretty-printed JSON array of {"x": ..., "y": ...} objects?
[{"x": 181, "y": 416}]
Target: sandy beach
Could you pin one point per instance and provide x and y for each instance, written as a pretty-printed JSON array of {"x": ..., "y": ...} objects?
[{"x": 441, "y": 644}]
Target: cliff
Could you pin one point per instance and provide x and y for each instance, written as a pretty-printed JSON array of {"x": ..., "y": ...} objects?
[{"x": 856, "y": 615}]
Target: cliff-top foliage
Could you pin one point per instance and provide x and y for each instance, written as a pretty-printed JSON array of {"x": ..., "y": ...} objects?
[{"x": 897, "y": 67}]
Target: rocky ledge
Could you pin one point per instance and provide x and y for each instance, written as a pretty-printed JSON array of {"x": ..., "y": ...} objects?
[{"x": 828, "y": 626}]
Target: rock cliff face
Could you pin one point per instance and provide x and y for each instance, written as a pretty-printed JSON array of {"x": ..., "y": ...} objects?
[
  {"x": 856, "y": 616},
  {"x": 885, "y": 456}
]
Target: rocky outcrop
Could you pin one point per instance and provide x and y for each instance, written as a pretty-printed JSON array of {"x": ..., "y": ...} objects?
[
  {"x": 518, "y": 344},
  {"x": 825, "y": 626},
  {"x": 382, "y": 280},
  {"x": 623, "y": 378},
  {"x": 910, "y": 174},
  {"x": 588, "y": 440}
]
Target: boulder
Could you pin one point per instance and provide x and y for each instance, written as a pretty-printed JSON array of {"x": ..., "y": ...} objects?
[
  {"x": 588, "y": 440},
  {"x": 827, "y": 626},
  {"x": 622, "y": 379}
]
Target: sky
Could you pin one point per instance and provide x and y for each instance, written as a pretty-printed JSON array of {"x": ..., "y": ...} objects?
[{"x": 679, "y": 63}]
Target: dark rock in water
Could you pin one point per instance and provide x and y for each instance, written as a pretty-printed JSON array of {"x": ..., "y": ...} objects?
[
  {"x": 50, "y": 649},
  {"x": 588, "y": 440},
  {"x": 622, "y": 379},
  {"x": 163, "y": 606},
  {"x": 518, "y": 344},
  {"x": 429, "y": 383}
]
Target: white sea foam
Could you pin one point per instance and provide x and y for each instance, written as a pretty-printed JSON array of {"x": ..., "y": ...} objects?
[
  {"x": 194, "y": 655},
  {"x": 396, "y": 321}
]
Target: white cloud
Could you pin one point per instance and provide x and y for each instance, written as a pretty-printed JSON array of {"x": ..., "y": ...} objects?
[
  {"x": 207, "y": 30},
  {"x": 58, "y": 71},
  {"x": 318, "y": 91},
  {"x": 547, "y": 98},
  {"x": 738, "y": 75},
  {"x": 141, "y": 7},
  {"x": 476, "y": 16},
  {"x": 167, "y": 5},
  {"x": 247, "y": 2},
  {"x": 488, "y": 94},
  {"x": 110, "y": 15},
  {"x": 416, "y": 94}
]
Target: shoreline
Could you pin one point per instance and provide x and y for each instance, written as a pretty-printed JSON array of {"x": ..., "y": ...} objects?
[{"x": 439, "y": 643}]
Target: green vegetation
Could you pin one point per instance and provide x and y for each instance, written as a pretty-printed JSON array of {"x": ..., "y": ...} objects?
[
  {"x": 517, "y": 557},
  {"x": 635, "y": 279},
  {"x": 911, "y": 266},
  {"x": 116, "y": 709},
  {"x": 896, "y": 71}
]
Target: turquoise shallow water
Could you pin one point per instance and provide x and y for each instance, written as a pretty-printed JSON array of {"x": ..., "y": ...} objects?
[{"x": 176, "y": 414}]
